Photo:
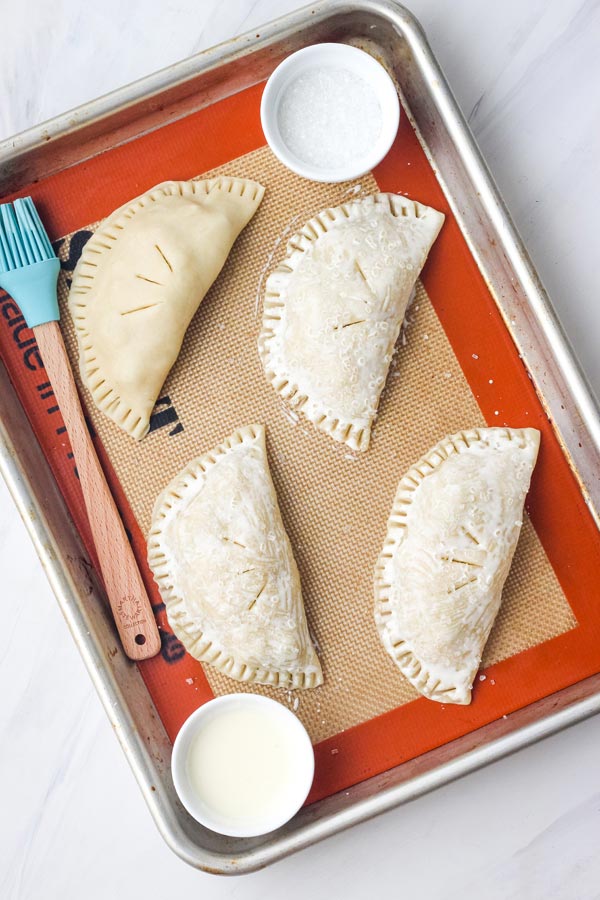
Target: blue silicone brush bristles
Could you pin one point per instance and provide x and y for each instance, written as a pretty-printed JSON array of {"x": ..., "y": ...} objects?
[
  {"x": 23, "y": 238},
  {"x": 28, "y": 265}
]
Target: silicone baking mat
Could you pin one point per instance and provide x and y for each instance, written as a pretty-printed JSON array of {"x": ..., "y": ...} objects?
[{"x": 455, "y": 367}]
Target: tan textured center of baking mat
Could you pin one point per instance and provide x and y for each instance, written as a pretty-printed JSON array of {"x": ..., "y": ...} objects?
[{"x": 334, "y": 504}]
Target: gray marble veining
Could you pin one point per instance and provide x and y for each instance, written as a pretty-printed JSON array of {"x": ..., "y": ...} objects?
[{"x": 527, "y": 74}]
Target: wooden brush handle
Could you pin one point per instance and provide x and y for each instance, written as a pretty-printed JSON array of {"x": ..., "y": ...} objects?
[{"x": 122, "y": 580}]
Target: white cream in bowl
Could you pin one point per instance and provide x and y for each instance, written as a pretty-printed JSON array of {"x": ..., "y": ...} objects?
[
  {"x": 242, "y": 765},
  {"x": 330, "y": 112}
]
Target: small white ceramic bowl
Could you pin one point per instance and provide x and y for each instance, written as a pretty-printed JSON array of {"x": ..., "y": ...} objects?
[
  {"x": 338, "y": 56},
  {"x": 291, "y": 798}
]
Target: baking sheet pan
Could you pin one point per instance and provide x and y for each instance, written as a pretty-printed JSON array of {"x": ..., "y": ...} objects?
[{"x": 503, "y": 262}]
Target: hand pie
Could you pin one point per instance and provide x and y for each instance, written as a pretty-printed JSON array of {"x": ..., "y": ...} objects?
[
  {"x": 139, "y": 281},
  {"x": 450, "y": 541},
  {"x": 225, "y": 569},
  {"x": 334, "y": 307}
]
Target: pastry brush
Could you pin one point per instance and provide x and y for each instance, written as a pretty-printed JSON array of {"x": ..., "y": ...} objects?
[{"x": 29, "y": 272}]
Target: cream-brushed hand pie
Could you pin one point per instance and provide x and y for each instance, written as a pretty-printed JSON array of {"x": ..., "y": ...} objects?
[
  {"x": 334, "y": 307},
  {"x": 225, "y": 569},
  {"x": 450, "y": 541}
]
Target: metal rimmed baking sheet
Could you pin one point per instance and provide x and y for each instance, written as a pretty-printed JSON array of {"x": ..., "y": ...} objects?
[{"x": 149, "y": 105}]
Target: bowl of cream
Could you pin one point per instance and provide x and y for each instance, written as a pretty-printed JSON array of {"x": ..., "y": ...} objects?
[
  {"x": 330, "y": 112},
  {"x": 242, "y": 765}
]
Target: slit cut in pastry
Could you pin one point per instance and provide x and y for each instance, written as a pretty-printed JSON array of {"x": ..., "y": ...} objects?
[
  {"x": 225, "y": 569},
  {"x": 139, "y": 281},
  {"x": 334, "y": 307},
  {"x": 450, "y": 541}
]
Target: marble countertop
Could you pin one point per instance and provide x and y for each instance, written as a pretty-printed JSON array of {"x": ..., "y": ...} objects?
[{"x": 526, "y": 73}]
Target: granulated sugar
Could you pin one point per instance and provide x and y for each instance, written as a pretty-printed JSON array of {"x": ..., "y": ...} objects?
[{"x": 329, "y": 116}]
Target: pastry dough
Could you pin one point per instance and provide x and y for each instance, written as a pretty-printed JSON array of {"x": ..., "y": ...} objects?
[
  {"x": 334, "y": 307},
  {"x": 139, "y": 281},
  {"x": 450, "y": 541},
  {"x": 224, "y": 565}
]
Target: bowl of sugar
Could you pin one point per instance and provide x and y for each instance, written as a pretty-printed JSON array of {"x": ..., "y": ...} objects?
[
  {"x": 242, "y": 765},
  {"x": 330, "y": 112}
]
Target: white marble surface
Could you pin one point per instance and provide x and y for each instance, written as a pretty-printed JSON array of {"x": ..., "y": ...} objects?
[{"x": 527, "y": 73}]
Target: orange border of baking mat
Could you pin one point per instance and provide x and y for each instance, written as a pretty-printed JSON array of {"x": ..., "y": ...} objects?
[{"x": 210, "y": 138}]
